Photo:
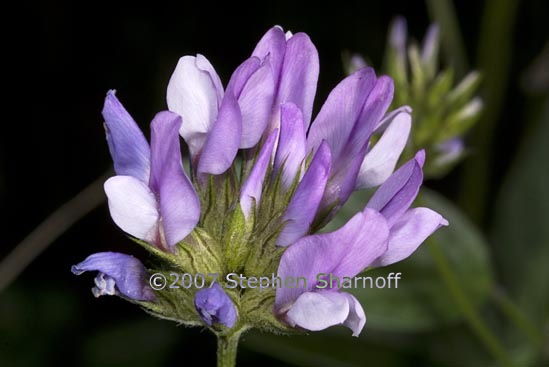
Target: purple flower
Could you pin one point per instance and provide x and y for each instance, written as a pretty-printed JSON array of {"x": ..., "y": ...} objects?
[
  {"x": 118, "y": 274},
  {"x": 290, "y": 178},
  {"x": 283, "y": 68},
  {"x": 387, "y": 231},
  {"x": 408, "y": 227},
  {"x": 151, "y": 197},
  {"x": 215, "y": 306},
  {"x": 343, "y": 253}
]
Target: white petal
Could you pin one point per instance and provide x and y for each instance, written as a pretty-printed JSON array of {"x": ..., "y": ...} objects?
[
  {"x": 356, "y": 319},
  {"x": 318, "y": 310},
  {"x": 381, "y": 160},
  {"x": 133, "y": 206},
  {"x": 195, "y": 93}
]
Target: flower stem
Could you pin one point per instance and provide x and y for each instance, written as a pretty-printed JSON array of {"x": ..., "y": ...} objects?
[
  {"x": 51, "y": 229},
  {"x": 515, "y": 315},
  {"x": 490, "y": 341},
  {"x": 227, "y": 346}
]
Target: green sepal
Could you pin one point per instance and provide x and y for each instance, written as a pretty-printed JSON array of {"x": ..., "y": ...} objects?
[
  {"x": 199, "y": 253},
  {"x": 235, "y": 238},
  {"x": 175, "y": 304},
  {"x": 258, "y": 307}
]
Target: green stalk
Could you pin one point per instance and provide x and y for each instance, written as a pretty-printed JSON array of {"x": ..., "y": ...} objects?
[
  {"x": 494, "y": 56},
  {"x": 515, "y": 315},
  {"x": 227, "y": 346},
  {"x": 485, "y": 335}
]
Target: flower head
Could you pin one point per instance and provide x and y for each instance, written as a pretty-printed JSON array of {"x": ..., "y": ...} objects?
[
  {"x": 443, "y": 112},
  {"x": 266, "y": 175}
]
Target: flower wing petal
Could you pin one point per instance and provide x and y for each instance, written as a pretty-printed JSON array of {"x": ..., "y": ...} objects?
[
  {"x": 129, "y": 274},
  {"x": 133, "y": 207}
]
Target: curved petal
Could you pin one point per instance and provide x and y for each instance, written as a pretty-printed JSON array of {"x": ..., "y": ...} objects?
[
  {"x": 408, "y": 233},
  {"x": 396, "y": 194},
  {"x": 195, "y": 93},
  {"x": 252, "y": 187},
  {"x": 391, "y": 115},
  {"x": 339, "y": 114},
  {"x": 290, "y": 152},
  {"x": 223, "y": 140},
  {"x": 381, "y": 160},
  {"x": 253, "y": 84},
  {"x": 344, "y": 252},
  {"x": 304, "y": 203},
  {"x": 299, "y": 76},
  {"x": 374, "y": 108},
  {"x": 129, "y": 149},
  {"x": 318, "y": 310},
  {"x": 356, "y": 318},
  {"x": 179, "y": 204},
  {"x": 272, "y": 44},
  {"x": 122, "y": 271},
  {"x": 133, "y": 207}
]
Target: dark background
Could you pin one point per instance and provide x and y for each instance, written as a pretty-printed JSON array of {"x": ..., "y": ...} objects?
[{"x": 71, "y": 54}]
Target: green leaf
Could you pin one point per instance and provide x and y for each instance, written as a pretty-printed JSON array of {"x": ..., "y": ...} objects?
[{"x": 521, "y": 234}]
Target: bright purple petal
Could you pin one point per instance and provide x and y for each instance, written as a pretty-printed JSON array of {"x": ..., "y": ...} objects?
[
  {"x": 252, "y": 187},
  {"x": 290, "y": 153},
  {"x": 409, "y": 232},
  {"x": 215, "y": 307},
  {"x": 346, "y": 166},
  {"x": 305, "y": 202},
  {"x": 133, "y": 207},
  {"x": 374, "y": 108},
  {"x": 179, "y": 204},
  {"x": 340, "y": 112},
  {"x": 117, "y": 271},
  {"x": 396, "y": 195},
  {"x": 272, "y": 44},
  {"x": 253, "y": 84},
  {"x": 299, "y": 75},
  {"x": 345, "y": 252},
  {"x": 129, "y": 149},
  {"x": 195, "y": 93},
  {"x": 223, "y": 140},
  {"x": 381, "y": 160}
]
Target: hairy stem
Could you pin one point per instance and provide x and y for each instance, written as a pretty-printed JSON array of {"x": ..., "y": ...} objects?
[{"x": 227, "y": 346}]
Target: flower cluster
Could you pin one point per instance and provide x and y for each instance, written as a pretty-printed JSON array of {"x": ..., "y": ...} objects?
[
  {"x": 443, "y": 112},
  {"x": 264, "y": 179}
]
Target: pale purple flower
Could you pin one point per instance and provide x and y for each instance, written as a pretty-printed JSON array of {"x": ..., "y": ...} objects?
[
  {"x": 214, "y": 306},
  {"x": 302, "y": 172},
  {"x": 345, "y": 252},
  {"x": 387, "y": 231},
  {"x": 118, "y": 274},
  {"x": 151, "y": 197}
]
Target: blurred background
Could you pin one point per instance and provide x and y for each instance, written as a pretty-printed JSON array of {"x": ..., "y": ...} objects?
[{"x": 477, "y": 295}]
